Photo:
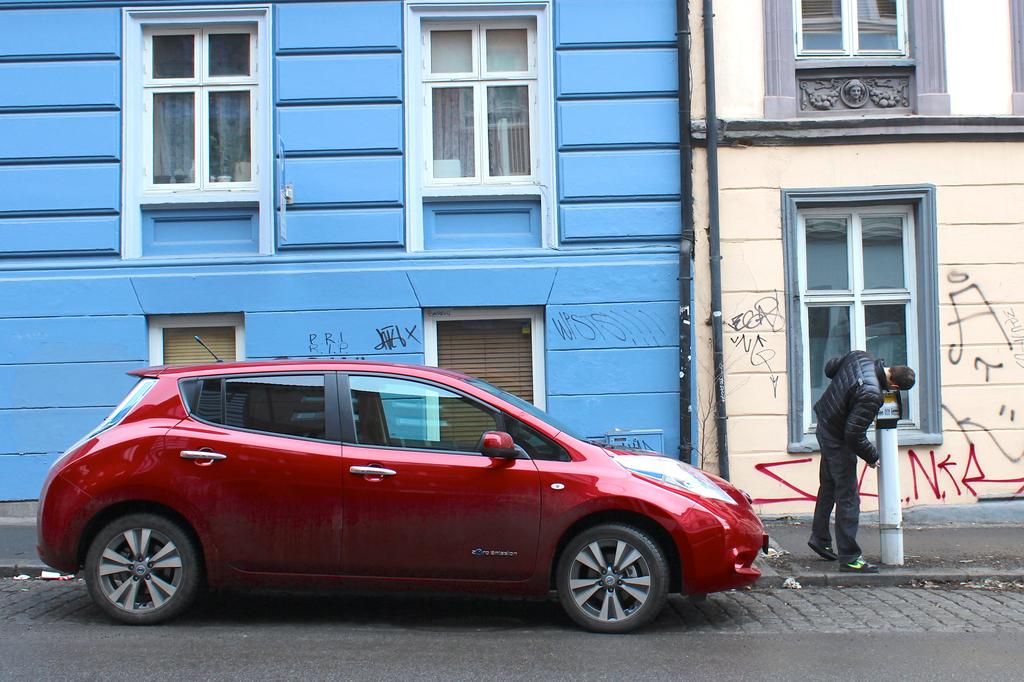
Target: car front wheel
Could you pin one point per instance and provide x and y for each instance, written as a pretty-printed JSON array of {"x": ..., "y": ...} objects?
[
  {"x": 613, "y": 578},
  {"x": 142, "y": 569}
]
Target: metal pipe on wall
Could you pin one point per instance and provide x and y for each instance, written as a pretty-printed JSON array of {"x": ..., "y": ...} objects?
[
  {"x": 714, "y": 239},
  {"x": 686, "y": 233}
]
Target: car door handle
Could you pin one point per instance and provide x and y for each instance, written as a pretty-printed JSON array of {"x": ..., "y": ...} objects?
[
  {"x": 371, "y": 471},
  {"x": 202, "y": 454}
]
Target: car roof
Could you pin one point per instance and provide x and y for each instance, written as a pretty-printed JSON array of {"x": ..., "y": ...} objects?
[{"x": 290, "y": 365}]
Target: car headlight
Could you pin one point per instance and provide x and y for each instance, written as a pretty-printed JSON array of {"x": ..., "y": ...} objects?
[{"x": 674, "y": 473}]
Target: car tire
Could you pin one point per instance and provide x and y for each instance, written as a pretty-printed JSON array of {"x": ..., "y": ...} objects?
[
  {"x": 612, "y": 578},
  {"x": 143, "y": 569}
]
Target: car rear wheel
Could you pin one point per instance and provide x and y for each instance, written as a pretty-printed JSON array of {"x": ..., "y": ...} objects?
[
  {"x": 143, "y": 569},
  {"x": 612, "y": 578}
]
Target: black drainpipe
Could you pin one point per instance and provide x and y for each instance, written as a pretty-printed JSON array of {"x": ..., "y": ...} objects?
[
  {"x": 714, "y": 237},
  {"x": 686, "y": 231}
]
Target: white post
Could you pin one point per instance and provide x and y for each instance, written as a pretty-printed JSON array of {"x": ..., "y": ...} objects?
[{"x": 890, "y": 509}]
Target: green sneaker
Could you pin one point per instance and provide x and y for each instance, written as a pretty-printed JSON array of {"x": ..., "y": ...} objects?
[{"x": 858, "y": 565}]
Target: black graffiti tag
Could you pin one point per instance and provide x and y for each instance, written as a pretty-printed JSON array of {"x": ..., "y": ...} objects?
[{"x": 764, "y": 315}]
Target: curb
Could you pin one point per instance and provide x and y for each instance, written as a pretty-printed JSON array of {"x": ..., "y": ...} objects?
[
  {"x": 9, "y": 569},
  {"x": 890, "y": 578}
]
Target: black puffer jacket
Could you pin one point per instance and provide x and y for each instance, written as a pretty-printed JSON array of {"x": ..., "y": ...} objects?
[{"x": 851, "y": 401}]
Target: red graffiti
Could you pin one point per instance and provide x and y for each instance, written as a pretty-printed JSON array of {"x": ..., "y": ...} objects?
[
  {"x": 935, "y": 475},
  {"x": 766, "y": 469}
]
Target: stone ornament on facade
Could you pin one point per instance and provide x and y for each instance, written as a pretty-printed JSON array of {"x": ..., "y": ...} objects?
[{"x": 837, "y": 94}]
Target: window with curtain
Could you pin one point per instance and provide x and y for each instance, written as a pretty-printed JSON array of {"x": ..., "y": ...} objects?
[
  {"x": 200, "y": 91},
  {"x": 857, "y": 291},
  {"x": 848, "y": 28},
  {"x": 480, "y": 81}
]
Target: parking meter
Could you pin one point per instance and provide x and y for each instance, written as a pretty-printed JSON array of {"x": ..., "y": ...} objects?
[
  {"x": 890, "y": 511},
  {"x": 891, "y": 411}
]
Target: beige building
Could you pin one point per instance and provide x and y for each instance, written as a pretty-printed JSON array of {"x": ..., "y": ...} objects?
[{"x": 871, "y": 191}]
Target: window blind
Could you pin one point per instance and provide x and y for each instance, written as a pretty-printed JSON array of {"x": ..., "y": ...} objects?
[
  {"x": 181, "y": 349},
  {"x": 497, "y": 351}
]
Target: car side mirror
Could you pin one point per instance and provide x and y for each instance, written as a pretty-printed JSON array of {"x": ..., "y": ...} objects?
[{"x": 498, "y": 444}]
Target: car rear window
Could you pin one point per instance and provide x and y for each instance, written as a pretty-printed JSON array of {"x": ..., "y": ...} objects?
[{"x": 287, "y": 405}]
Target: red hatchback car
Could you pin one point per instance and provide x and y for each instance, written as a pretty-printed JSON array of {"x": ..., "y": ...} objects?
[{"x": 375, "y": 475}]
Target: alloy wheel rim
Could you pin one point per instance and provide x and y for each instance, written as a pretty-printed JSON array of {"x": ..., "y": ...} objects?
[
  {"x": 609, "y": 580},
  {"x": 140, "y": 570}
]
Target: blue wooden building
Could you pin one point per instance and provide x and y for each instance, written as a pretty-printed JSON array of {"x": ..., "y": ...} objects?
[{"x": 491, "y": 186}]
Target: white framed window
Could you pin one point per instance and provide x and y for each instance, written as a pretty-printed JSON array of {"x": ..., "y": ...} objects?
[
  {"x": 172, "y": 339},
  {"x": 851, "y": 28},
  {"x": 857, "y": 291},
  {"x": 480, "y": 111},
  {"x": 200, "y": 90},
  {"x": 504, "y": 346},
  {"x": 197, "y": 114},
  {"x": 480, "y": 86}
]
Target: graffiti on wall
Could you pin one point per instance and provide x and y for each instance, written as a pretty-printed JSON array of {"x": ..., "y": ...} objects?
[
  {"x": 633, "y": 326},
  {"x": 974, "y": 314},
  {"x": 747, "y": 335},
  {"x": 393, "y": 337}
]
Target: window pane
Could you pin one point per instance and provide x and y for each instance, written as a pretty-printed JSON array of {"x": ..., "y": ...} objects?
[
  {"x": 289, "y": 405},
  {"x": 229, "y": 54},
  {"x": 822, "y": 24},
  {"x": 508, "y": 130},
  {"x": 407, "y": 414},
  {"x": 174, "y": 56},
  {"x": 883, "y": 252},
  {"x": 454, "y": 151},
  {"x": 451, "y": 51},
  {"x": 876, "y": 25},
  {"x": 174, "y": 121},
  {"x": 205, "y": 399},
  {"x": 506, "y": 50},
  {"x": 828, "y": 331},
  {"x": 827, "y": 264},
  {"x": 886, "y": 329},
  {"x": 230, "y": 148}
]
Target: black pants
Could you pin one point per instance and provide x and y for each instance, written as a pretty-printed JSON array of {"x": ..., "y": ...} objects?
[{"x": 837, "y": 487}]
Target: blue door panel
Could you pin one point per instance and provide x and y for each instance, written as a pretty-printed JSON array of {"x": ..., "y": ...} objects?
[
  {"x": 347, "y": 180},
  {"x": 651, "y": 122},
  {"x": 352, "y": 128},
  {"x": 60, "y": 84},
  {"x": 339, "y": 26},
  {"x": 626, "y": 174},
  {"x": 584, "y": 22},
  {"x": 65, "y": 32},
  {"x": 617, "y": 72},
  {"x": 50, "y": 236},
  {"x": 330, "y": 78},
  {"x": 344, "y": 227},
  {"x": 93, "y": 187},
  {"x": 604, "y": 221}
]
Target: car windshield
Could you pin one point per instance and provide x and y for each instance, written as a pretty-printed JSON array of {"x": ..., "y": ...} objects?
[{"x": 525, "y": 406}]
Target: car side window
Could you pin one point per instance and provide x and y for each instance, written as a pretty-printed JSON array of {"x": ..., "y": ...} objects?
[
  {"x": 536, "y": 445},
  {"x": 395, "y": 412},
  {"x": 287, "y": 405}
]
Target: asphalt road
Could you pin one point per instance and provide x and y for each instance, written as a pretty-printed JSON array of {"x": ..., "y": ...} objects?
[{"x": 51, "y": 631}]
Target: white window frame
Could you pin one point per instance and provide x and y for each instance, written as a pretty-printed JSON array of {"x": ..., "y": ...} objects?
[
  {"x": 536, "y": 316},
  {"x": 851, "y": 47},
  {"x": 479, "y": 80},
  {"x": 537, "y": 16},
  {"x": 857, "y": 297},
  {"x": 157, "y": 324},
  {"x": 138, "y": 191}
]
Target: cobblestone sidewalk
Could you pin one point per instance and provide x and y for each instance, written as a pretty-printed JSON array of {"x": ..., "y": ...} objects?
[{"x": 889, "y": 609}]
